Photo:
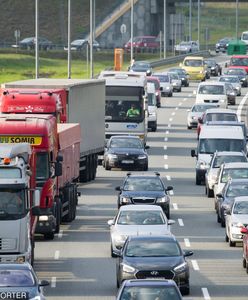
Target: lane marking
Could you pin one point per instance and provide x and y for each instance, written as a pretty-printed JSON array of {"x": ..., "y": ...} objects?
[
  {"x": 56, "y": 255},
  {"x": 166, "y": 167},
  {"x": 175, "y": 206},
  {"x": 180, "y": 222},
  {"x": 166, "y": 139},
  {"x": 60, "y": 235},
  {"x": 168, "y": 177},
  {"x": 206, "y": 294},
  {"x": 176, "y": 108},
  {"x": 195, "y": 265},
  {"x": 167, "y": 132},
  {"x": 184, "y": 99},
  {"x": 180, "y": 104},
  {"x": 170, "y": 119},
  {"x": 240, "y": 107},
  {"x": 173, "y": 113},
  {"x": 165, "y": 156},
  {"x": 165, "y": 147},
  {"x": 187, "y": 242},
  {"x": 53, "y": 282},
  {"x": 189, "y": 95},
  {"x": 169, "y": 126},
  {"x": 171, "y": 193}
]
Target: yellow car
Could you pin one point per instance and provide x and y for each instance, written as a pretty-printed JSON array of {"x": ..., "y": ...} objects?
[{"x": 195, "y": 67}]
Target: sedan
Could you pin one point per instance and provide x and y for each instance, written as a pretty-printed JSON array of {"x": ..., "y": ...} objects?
[
  {"x": 29, "y": 43},
  {"x": 80, "y": 44},
  {"x": 241, "y": 73},
  {"x": 19, "y": 281},
  {"x": 149, "y": 289},
  {"x": 183, "y": 75},
  {"x": 153, "y": 257},
  {"x": 125, "y": 152},
  {"x": 234, "y": 80},
  {"x": 144, "y": 189},
  {"x": 176, "y": 82},
  {"x": 133, "y": 220},
  {"x": 236, "y": 219},
  {"x": 165, "y": 83},
  {"x": 213, "y": 67},
  {"x": 141, "y": 66}
]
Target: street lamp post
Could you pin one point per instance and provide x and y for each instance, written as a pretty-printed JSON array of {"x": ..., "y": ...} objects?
[
  {"x": 190, "y": 20},
  {"x": 131, "y": 47},
  {"x": 198, "y": 25},
  {"x": 69, "y": 41},
  {"x": 36, "y": 38},
  {"x": 91, "y": 40},
  {"x": 237, "y": 18},
  {"x": 165, "y": 36}
]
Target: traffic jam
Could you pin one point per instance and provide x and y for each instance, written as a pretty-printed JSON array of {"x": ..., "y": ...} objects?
[{"x": 62, "y": 138}]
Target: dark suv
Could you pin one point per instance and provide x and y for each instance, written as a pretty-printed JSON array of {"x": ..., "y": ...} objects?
[
  {"x": 144, "y": 189},
  {"x": 143, "y": 44}
]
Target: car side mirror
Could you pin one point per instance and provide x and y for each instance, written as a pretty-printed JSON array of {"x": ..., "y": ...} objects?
[
  {"x": 44, "y": 283},
  {"x": 110, "y": 222},
  {"x": 227, "y": 211},
  {"x": 118, "y": 188},
  {"x": 171, "y": 222},
  {"x": 193, "y": 154},
  {"x": 147, "y": 147},
  {"x": 219, "y": 196},
  {"x": 169, "y": 188},
  {"x": 117, "y": 252},
  {"x": 188, "y": 253}
]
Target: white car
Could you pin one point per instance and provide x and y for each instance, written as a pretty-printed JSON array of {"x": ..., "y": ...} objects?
[
  {"x": 217, "y": 160},
  {"x": 165, "y": 84},
  {"x": 212, "y": 92},
  {"x": 234, "y": 80},
  {"x": 176, "y": 82},
  {"x": 152, "y": 106},
  {"x": 133, "y": 220},
  {"x": 235, "y": 219},
  {"x": 234, "y": 170},
  {"x": 187, "y": 47}
]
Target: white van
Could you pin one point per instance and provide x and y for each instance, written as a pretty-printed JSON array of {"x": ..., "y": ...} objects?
[
  {"x": 244, "y": 37},
  {"x": 216, "y": 138},
  {"x": 212, "y": 92},
  {"x": 152, "y": 107}
]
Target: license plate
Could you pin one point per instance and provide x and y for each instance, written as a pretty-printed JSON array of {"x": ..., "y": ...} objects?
[{"x": 127, "y": 161}]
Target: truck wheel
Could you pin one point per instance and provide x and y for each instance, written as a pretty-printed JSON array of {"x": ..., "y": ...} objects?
[
  {"x": 57, "y": 214},
  {"x": 49, "y": 236},
  {"x": 107, "y": 167}
]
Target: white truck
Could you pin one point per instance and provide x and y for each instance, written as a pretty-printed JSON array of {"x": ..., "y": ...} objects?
[
  {"x": 85, "y": 104},
  {"x": 19, "y": 203}
]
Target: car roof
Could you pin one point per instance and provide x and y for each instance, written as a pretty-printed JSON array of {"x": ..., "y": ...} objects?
[
  {"x": 234, "y": 132},
  {"x": 194, "y": 57},
  {"x": 145, "y": 282},
  {"x": 220, "y": 111},
  {"x": 229, "y": 153},
  {"x": 234, "y": 165},
  {"x": 141, "y": 207},
  {"x": 143, "y": 175}
]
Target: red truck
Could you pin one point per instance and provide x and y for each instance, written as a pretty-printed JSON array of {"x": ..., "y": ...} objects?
[
  {"x": 53, "y": 147},
  {"x": 239, "y": 61}
]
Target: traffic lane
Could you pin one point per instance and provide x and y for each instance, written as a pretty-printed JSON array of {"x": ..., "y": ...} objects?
[{"x": 199, "y": 221}]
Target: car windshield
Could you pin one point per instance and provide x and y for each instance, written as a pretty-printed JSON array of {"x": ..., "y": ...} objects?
[
  {"x": 221, "y": 117},
  {"x": 236, "y": 72},
  {"x": 143, "y": 184},
  {"x": 174, "y": 76},
  {"x": 150, "y": 292},
  {"x": 239, "y": 61},
  {"x": 185, "y": 44},
  {"x": 209, "y": 146},
  {"x": 229, "y": 79},
  {"x": 143, "y": 248},
  {"x": 178, "y": 71},
  {"x": 141, "y": 65},
  {"x": 219, "y": 160},
  {"x": 211, "y": 89},
  {"x": 234, "y": 174},
  {"x": 140, "y": 218},
  {"x": 126, "y": 143},
  {"x": 14, "y": 278},
  {"x": 240, "y": 208},
  {"x": 193, "y": 63},
  {"x": 151, "y": 99},
  {"x": 202, "y": 108},
  {"x": 235, "y": 190},
  {"x": 210, "y": 63}
]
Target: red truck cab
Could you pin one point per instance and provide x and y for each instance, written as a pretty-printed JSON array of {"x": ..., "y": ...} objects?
[{"x": 239, "y": 61}]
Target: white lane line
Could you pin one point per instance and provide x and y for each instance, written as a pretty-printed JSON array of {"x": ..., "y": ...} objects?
[
  {"x": 170, "y": 119},
  {"x": 175, "y": 206},
  {"x": 180, "y": 104},
  {"x": 173, "y": 113},
  {"x": 189, "y": 95},
  {"x": 60, "y": 235},
  {"x": 176, "y": 108},
  {"x": 169, "y": 126},
  {"x": 184, "y": 99},
  {"x": 53, "y": 282},
  {"x": 167, "y": 132},
  {"x": 187, "y": 242},
  {"x": 166, "y": 167},
  {"x": 166, "y": 139},
  {"x": 180, "y": 222},
  {"x": 240, "y": 107},
  {"x": 56, "y": 254},
  {"x": 205, "y": 294},
  {"x": 195, "y": 265},
  {"x": 165, "y": 147},
  {"x": 168, "y": 177},
  {"x": 171, "y": 193},
  {"x": 165, "y": 156}
]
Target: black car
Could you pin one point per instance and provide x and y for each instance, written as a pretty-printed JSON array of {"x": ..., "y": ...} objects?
[
  {"x": 19, "y": 281},
  {"x": 153, "y": 257},
  {"x": 213, "y": 67},
  {"x": 183, "y": 75},
  {"x": 222, "y": 44},
  {"x": 125, "y": 152},
  {"x": 224, "y": 201},
  {"x": 141, "y": 66},
  {"x": 29, "y": 43},
  {"x": 240, "y": 73},
  {"x": 149, "y": 289},
  {"x": 144, "y": 189}
]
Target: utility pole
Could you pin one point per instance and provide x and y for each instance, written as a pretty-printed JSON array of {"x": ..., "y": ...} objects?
[
  {"x": 237, "y": 18},
  {"x": 36, "y": 39},
  {"x": 198, "y": 38},
  {"x": 165, "y": 35},
  {"x": 131, "y": 48},
  {"x": 91, "y": 40},
  {"x": 190, "y": 20},
  {"x": 69, "y": 41}
]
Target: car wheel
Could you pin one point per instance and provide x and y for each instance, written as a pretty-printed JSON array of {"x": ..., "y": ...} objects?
[
  {"x": 112, "y": 252},
  {"x": 189, "y": 127},
  {"x": 170, "y": 95},
  {"x": 226, "y": 238},
  {"x": 218, "y": 218},
  {"x": 210, "y": 193},
  {"x": 179, "y": 90},
  {"x": 49, "y": 236},
  {"x": 222, "y": 222},
  {"x": 117, "y": 283},
  {"x": 232, "y": 244},
  {"x": 197, "y": 180},
  {"x": 154, "y": 128},
  {"x": 107, "y": 167},
  {"x": 244, "y": 263},
  {"x": 247, "y": 268},
  {"x": 145, "y": 168}
]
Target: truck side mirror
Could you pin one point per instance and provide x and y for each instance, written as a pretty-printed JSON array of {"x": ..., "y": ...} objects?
[
  {"x": 59, "y": 158},
  {"x": 193, "y": 154},
  {"x": 58, "y": 169}
]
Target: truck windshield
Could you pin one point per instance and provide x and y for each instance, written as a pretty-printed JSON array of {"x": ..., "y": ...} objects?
[
  {"x": 12, "y": 204},
  {"x": 42, "y": 166},
  {"x": 209, "y": 146},
  {"x": 124, "y": 104},
  {"x": 239, "y": 61}
]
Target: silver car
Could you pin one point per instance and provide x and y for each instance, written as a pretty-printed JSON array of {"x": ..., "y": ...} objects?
[
  {"x": 134, "y": 220},
  {"x": 176, "y": 82},
  {"x": 165, "y": 84},
  {"x": 234, "y": 80}
]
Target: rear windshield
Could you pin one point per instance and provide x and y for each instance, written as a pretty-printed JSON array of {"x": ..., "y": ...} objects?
[
  {"x": 219, "y": 160},
  {"x": 211, "y": 89}
]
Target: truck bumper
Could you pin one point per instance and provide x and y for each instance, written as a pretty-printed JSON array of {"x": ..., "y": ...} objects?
[{"x": 45, "y": 224}]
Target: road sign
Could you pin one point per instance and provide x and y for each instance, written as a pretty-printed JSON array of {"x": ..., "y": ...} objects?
[
  {"x": 123, "y": 28},
  {"x": 17, "y": 33}
]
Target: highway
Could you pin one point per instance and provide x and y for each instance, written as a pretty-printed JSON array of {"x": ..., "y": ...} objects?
[{"x": 78, "y": 262}]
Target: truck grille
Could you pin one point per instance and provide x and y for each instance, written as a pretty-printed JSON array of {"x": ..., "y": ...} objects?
[
  {"x": 7, "y": 244},
  {"x": 143, "y": 200},
  {"x": 167, "y": 274}
]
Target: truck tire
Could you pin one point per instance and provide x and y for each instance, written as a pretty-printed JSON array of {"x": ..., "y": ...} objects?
[
  {"x": 68, "y": 196},
  {"x": 49, "y": 236}
]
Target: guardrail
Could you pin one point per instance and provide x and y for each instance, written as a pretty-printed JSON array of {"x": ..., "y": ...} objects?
[{"x": 178, "y": 58}]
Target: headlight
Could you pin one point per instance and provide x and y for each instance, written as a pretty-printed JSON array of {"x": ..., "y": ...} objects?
[
  {"x": 212, "y": 68},
  {"x": 142, "y": 157},
  {"x": 202, "y": 71},
  {"x": 217, "y": 45},
  {"x": 127, "y": 268},
  {"x": 222, "y": 100},
  {"x": 180, "y": 268},
  {"x": 167, "y": 87},
  {"x": 162, "y": 200},
  {"x": 112, "y": 156},
  {"x": 237, "y": 225},
  {"x": 125, "y": 200},
  {"x": 119, "y": 238},
  {"x": 202, "y": 165},
  {"x": 243, "y": 79},
  {"x": 183, "y": 78}
]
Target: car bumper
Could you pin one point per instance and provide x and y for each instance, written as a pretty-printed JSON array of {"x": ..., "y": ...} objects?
[{"x": 45, "y": 226}]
